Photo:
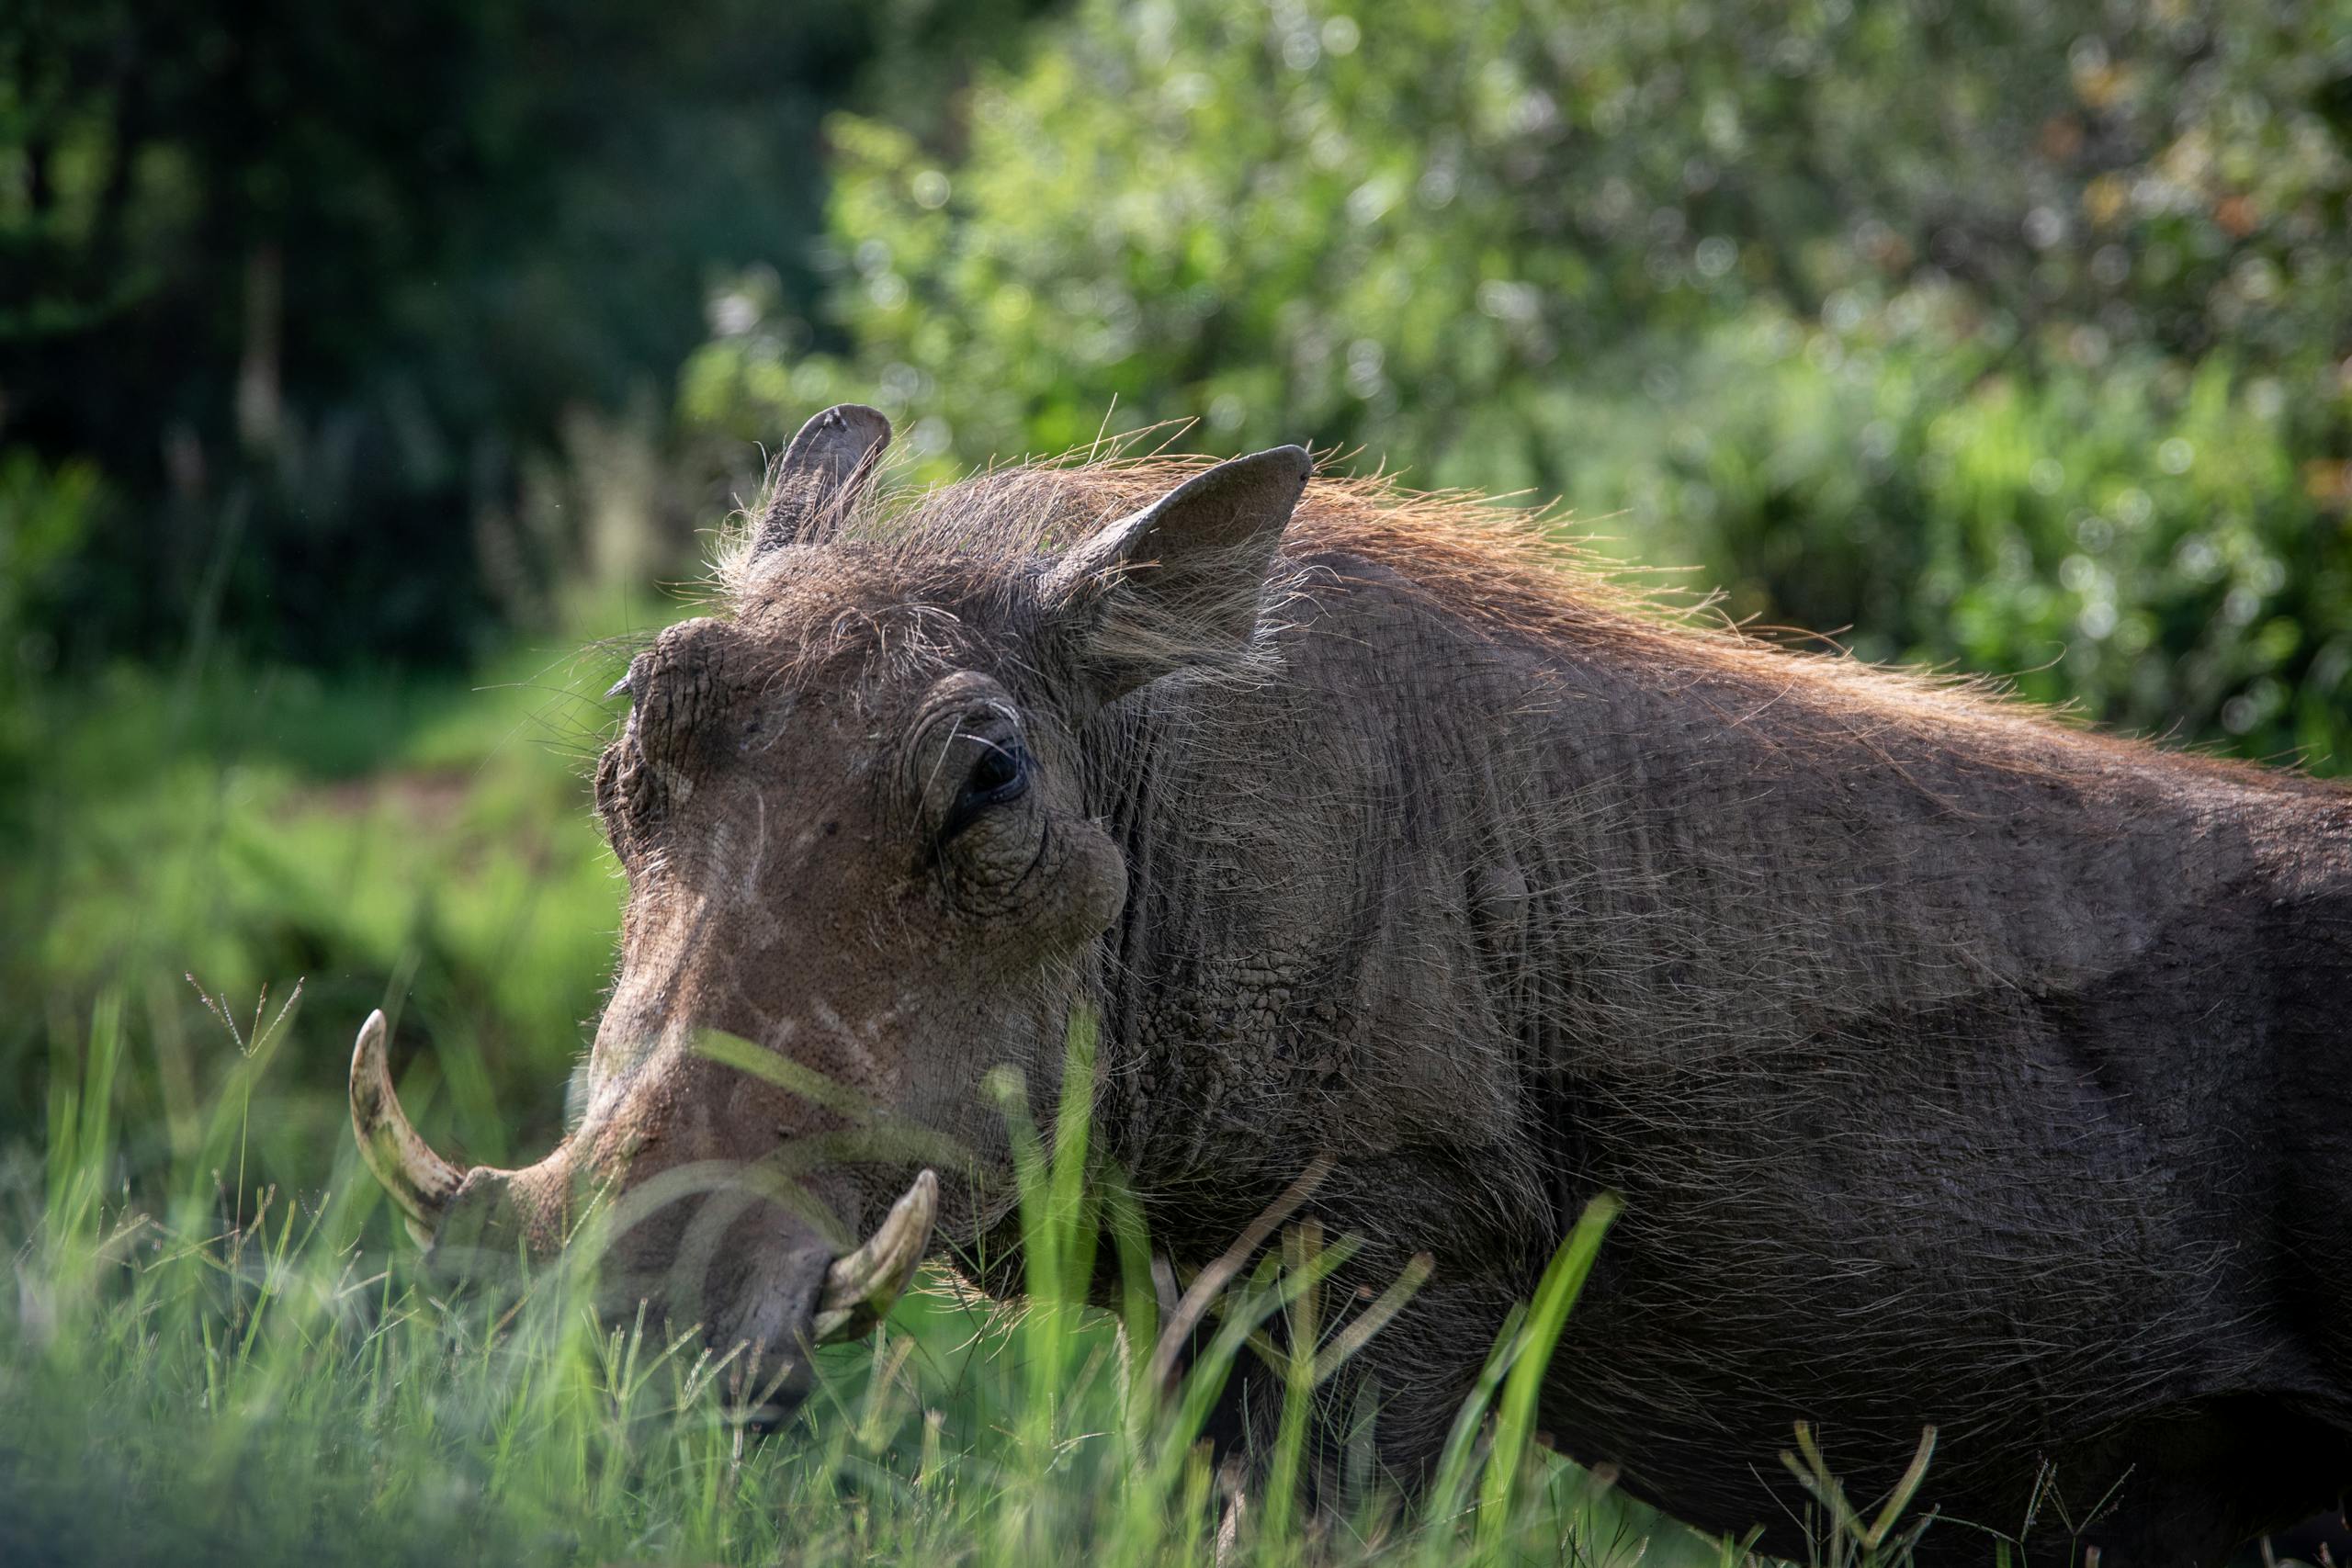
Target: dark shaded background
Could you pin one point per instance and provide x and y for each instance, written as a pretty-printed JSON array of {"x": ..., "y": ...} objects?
[{"x": 304, "y": 284}]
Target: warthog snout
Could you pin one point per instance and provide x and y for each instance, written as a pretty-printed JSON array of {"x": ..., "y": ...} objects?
[{"x": 702, "y": 1243}]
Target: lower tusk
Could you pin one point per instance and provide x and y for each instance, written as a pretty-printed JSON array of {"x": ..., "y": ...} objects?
[
  {"x": 419, "y": 1181},
  {"x": 860, "y": 1287}
]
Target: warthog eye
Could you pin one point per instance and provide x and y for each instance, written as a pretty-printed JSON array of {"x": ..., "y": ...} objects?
[{"x": 1000, "y": 773}]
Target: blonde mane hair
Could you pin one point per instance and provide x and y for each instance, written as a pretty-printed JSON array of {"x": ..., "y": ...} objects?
[{"x": 915, "y": 556}]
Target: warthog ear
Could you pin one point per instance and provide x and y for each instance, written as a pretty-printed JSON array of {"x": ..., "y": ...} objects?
[
  {"x": 1176, "y": 584},
  {"x": 821, "y": 476}
]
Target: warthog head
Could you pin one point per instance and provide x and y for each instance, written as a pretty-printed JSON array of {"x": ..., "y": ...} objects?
[{"x": 861, "y": 873}]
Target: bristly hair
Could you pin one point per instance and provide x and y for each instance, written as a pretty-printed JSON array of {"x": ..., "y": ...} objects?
[{"x": 1509, "y": 572}]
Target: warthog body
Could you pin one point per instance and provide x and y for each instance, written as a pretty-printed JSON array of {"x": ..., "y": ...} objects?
[{"x": 1954, "y": 1065}]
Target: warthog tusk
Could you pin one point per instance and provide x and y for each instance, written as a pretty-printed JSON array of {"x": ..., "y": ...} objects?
[
  {"x": 860, "y": 1288},
  {"x": 420, "y": 1181}
]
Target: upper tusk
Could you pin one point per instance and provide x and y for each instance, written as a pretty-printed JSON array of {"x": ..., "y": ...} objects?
[
  {"x": 420, "y": 1181},
  {"x": 860, "y": 1287}
]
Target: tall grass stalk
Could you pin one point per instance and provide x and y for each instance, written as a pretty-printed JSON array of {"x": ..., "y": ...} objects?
[{"x": 1563, "y": 1278}]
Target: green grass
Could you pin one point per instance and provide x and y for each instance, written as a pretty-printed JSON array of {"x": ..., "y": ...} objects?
[
  {"x": 257, "y": 1375},
  {"x": 402, "y": 840},
  {"x": 216, "y": 1350}
]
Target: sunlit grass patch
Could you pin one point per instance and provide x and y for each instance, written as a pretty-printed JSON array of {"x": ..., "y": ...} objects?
[
  {"x": 414, "y": 841},
  {"x": 190, "y": 1372}
]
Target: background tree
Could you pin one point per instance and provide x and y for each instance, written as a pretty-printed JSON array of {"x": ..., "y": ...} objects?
[
  {"x": 309, "y": 285},
  {"x": 2008, "y": 335}
]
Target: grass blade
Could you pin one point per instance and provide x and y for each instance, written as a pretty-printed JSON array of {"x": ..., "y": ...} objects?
[{"x": 1563, "y": 1279}]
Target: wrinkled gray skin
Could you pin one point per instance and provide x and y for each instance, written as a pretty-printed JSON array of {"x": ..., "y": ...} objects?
[{"x": 1954, "y": 1067}]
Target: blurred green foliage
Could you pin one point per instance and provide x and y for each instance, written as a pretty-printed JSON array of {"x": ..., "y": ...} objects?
[
  {"x": 2002, "y": 333},
  {"x": 396, "y": 840},
  {"x": 315, "y": 288}
]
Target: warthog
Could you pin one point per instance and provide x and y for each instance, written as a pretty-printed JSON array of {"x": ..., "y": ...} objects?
[{"x": 1954, "y": 1065}]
